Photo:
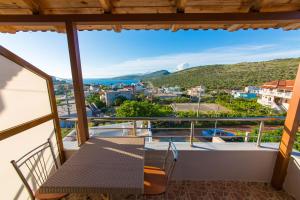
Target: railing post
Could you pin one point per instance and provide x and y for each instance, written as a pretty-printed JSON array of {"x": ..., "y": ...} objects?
[
  {"x": 192, "y": 133},
  {"x": 260, "y": 132},
  {"x": 134, "y": 128},
  {"x": 215, "y": 130},
  {"x": 247, "y": 136},
  {"x": 77, "y": 135},
  {"x": 149, "y": 131}
]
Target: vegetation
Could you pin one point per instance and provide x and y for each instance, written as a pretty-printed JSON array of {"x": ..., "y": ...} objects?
[
  {"x": 94, "y": 98},
  {"x": 119, "y": 100},
  {"x": 231, "y": 76},
  {"x": 65, "y": 131},
  {"x": 172, "y": 100},
  {"x": 244, "y": 107},
  {"x": 143, "y": 109}
]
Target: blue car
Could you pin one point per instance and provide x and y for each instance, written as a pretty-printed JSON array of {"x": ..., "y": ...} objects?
[{"x": 209, "y": 133}]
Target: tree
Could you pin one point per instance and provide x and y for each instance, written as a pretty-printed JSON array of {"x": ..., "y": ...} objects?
[
  {"x": 119, "y": 100},
  {"x": 94, "y": 98},
  {"x": 142, "y": 109}
]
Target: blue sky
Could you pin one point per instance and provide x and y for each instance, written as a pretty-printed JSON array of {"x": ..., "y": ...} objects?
[{"x": 108, "y": 54}]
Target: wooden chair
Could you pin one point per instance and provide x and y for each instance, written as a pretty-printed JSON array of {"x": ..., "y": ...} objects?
[
  {"x": 36, "y": 164},
  {"x": 156, "y": 180}
]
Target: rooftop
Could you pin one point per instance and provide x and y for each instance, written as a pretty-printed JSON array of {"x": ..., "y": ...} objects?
[{"x": 280, "y": 84}]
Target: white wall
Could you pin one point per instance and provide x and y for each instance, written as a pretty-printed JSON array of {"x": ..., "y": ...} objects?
[
  {"x": 23, "y": 97},
  {"x": 236, "y": 162},
  {"x": 292, "y": 181}
]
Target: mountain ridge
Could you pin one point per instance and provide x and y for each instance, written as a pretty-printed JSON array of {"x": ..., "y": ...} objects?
[{"x": 230, "y": 76}]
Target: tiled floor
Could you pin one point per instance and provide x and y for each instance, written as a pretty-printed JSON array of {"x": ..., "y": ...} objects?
[{"x": 208, "y": 190}]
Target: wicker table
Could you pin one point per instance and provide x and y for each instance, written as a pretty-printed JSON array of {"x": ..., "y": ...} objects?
[{"x": 101, "y": 165}]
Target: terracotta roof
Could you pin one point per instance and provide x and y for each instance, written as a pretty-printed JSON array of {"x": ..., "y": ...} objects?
[
  {"x": 115, "y": 7},
  {"x": 280, "y": 84}
]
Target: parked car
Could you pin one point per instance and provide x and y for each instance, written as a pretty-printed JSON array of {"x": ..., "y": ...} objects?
[{"x": 226, "y": 136}]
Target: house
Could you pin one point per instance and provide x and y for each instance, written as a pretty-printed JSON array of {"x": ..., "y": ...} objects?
[
  {"x": 194, "y": 92},
  {"x": 252, "y": 89},
  {"x": 276, "y": 94},
  {"x": 176, "y": 90},
  {"x": 109, "y": 96}
]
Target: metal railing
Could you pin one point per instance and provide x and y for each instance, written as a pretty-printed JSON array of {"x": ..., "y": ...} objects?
[{"x": 193, "y": 121}]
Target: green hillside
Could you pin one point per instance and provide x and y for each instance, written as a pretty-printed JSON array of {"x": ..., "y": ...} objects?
[{"x": 231, "y": 76}]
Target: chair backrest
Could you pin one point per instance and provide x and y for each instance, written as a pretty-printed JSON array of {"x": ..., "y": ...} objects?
[
  {"x": 170, "y": 160},
  {"x": 36, "y": 165}
]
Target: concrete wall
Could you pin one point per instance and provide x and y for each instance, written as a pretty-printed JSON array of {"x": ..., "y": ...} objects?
[
  {"x": 239, "y": 165},
  {"x": 292, "y": 181},
  {"x": 23, "y": 97}
]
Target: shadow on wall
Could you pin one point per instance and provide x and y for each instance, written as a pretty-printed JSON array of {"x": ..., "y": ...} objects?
[{"x": 7, "y": 73}]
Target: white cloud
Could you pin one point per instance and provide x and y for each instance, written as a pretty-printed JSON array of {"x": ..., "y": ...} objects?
[
  {"x": 182, "y": 66},
  {"x": 173, "y": 62}
]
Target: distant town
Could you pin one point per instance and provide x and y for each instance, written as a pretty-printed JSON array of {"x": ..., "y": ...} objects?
[{"x": 104, "y": 100}]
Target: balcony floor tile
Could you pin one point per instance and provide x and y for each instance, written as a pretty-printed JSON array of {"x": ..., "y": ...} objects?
[{"x": 207, "y": 190}]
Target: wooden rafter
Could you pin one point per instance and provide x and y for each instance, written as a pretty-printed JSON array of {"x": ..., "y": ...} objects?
[
  {"x": 180, "y": 5},
  {"x": 117, "y": 28},
  {"x": 234, "y": 27},
  {"x": 106, "y": 5},
  {"x": 34, "y": 6},
  {"x": 174, "y": 27},
  {"x": 291, "y": 26}
]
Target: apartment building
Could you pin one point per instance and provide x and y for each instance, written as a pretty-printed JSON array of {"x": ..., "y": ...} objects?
[{"x": 276, "y": 94}]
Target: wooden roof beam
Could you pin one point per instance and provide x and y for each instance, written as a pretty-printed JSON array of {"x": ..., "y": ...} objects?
[
  {"x": 180, "y": 5},
  {"x": 34, "y": 6},
  {"x": 106, "y": 5},
  {"x": 160, "y": 18}
]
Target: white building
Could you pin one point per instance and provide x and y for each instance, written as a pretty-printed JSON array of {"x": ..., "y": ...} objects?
[
  {"x": 250, "y": 92},
  {"x": 173, "y": 90},
  {"x": 194, "y": 92},
  {"x": 252, "y": 89},
  {"x": 110, "y": 96},
  {"x": 276, "y": 94}
]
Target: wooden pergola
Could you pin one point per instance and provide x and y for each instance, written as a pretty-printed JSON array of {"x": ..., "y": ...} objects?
[{"x": 71, "y": 15}]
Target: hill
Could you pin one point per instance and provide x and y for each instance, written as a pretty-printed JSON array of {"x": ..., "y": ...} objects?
[
  {"x": 231, "y": 76},
  {"x": 142, "y": 76}
]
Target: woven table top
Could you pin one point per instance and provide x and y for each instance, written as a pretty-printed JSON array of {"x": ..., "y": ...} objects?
[{"x": 101, "y": 165}]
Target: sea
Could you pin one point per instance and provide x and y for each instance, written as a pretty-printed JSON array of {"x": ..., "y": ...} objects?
[{"x": 109, "y": 82}]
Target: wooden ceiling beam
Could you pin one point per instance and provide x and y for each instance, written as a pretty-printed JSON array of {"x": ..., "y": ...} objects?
[
  {"x": 34, "y": 6},
  {"x": 154, "y": 19},
  {"x": 180, "y": 5},
  {"x": 106, "y": 5}
]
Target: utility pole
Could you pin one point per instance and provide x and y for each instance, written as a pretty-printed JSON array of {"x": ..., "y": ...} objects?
[
  {"x": 199, "y": 99},
  {"x": 67, "y": 100}
]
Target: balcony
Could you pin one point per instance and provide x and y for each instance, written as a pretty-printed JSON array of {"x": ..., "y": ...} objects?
[
  {"x": 286, "y": 95},
  {"x": 209, "y": 167}
]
